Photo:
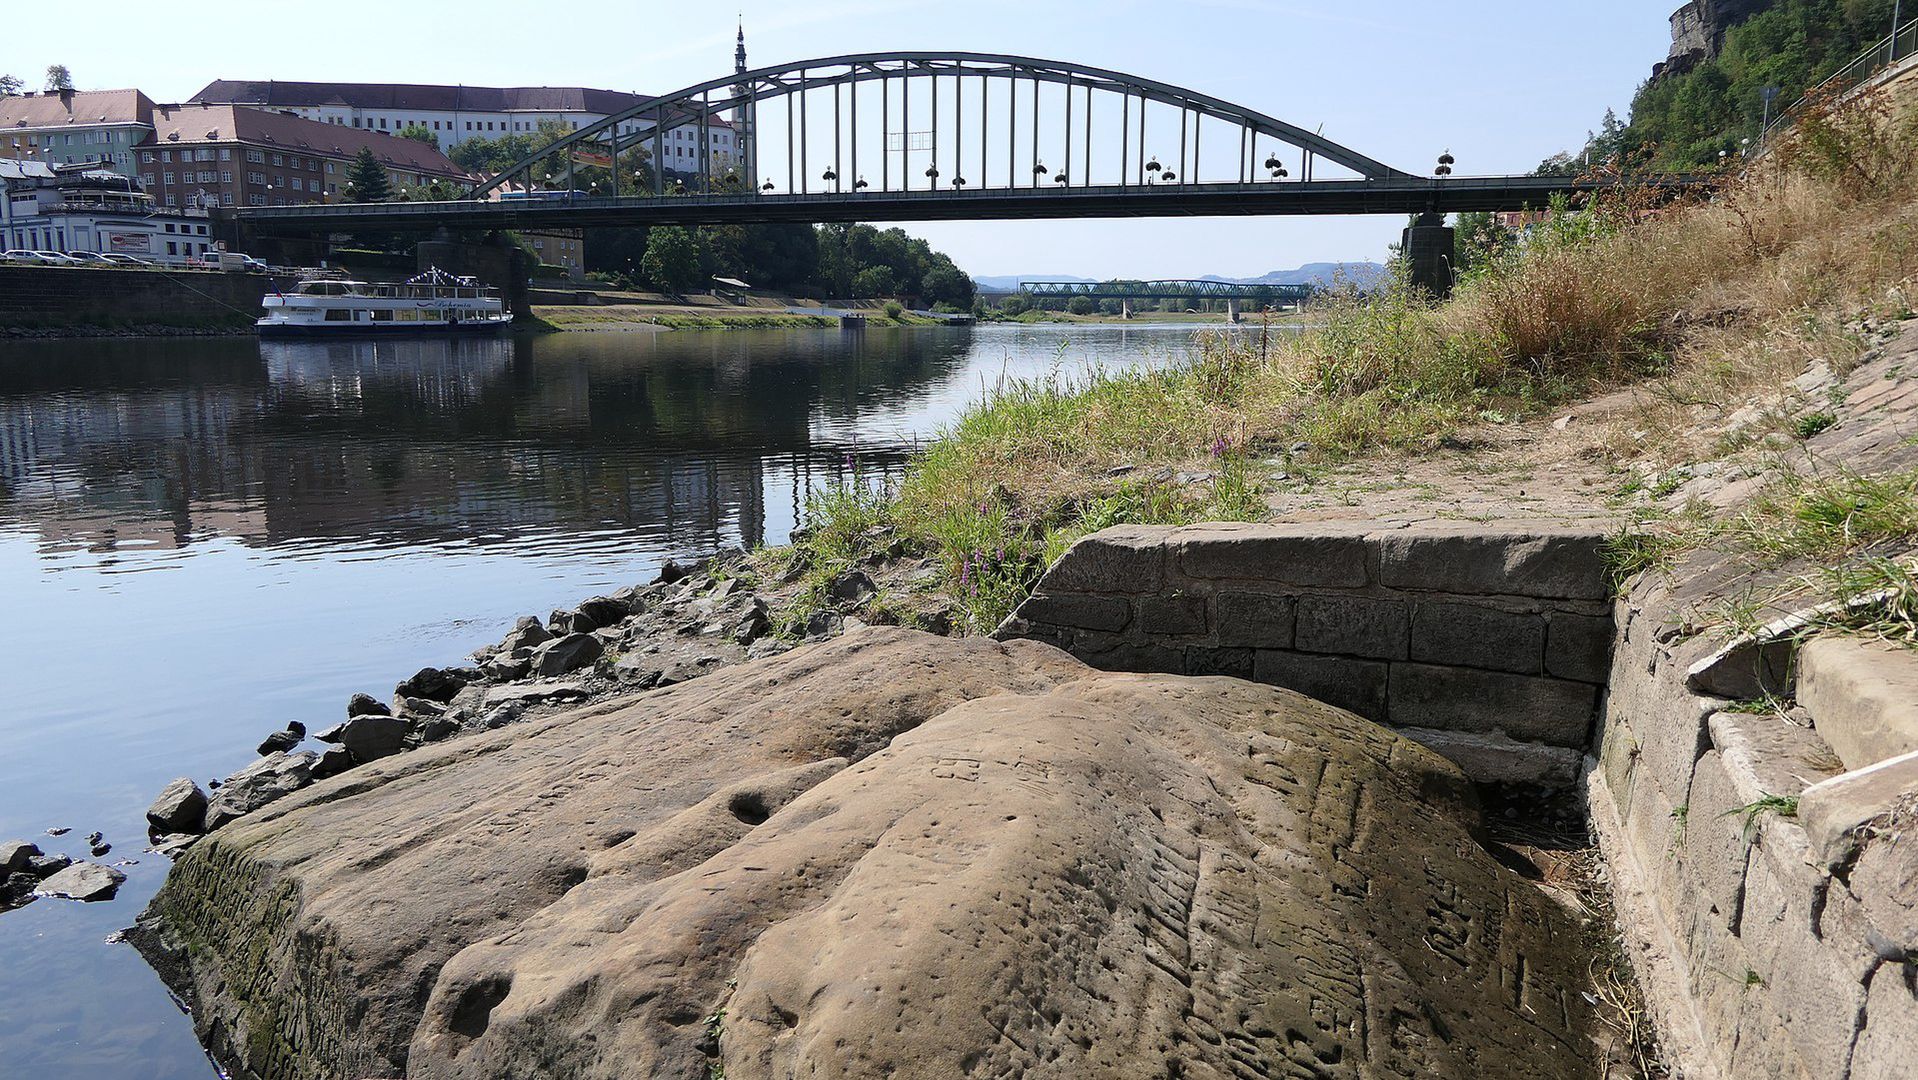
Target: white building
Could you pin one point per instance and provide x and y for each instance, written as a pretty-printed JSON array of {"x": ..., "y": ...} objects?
[
  {"x": 455, "y": 114},
  {"x": 73, "y": 208}
]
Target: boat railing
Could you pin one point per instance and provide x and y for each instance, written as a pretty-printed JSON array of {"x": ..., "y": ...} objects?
[{"x": 420, "y": 292}]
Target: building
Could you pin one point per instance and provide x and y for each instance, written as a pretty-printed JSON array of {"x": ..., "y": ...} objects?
[
  {"x": 453, "y": 114},
  {"x": 77, "y": 208},
  {"x": 94, "y": 127},
  {"x": 208, "y": 155}
]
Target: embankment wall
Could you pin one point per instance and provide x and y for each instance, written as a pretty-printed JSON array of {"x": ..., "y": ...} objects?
[
  {"x": 57, "y": 297},
  {"x": 1488, "y": 644}
]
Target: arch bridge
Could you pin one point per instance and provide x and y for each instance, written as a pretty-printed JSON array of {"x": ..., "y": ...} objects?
[{"x": 927, "y": 136}]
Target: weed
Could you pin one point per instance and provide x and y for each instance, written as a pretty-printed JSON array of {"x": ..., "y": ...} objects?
[
  {"x": 1811, "y": 424},
  {"x": 1782, "y": 805}
]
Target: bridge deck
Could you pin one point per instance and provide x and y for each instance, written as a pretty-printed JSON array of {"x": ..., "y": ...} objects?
[{"x": 1398, "y": 195}]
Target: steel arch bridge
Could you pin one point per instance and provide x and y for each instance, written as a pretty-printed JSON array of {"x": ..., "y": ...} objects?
[
  {"x": 927, "y": 136},
  {"x": 1167, "y": 289}
]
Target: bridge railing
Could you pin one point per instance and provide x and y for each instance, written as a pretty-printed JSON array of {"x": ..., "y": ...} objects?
[{"x": 1901, "y": 43}]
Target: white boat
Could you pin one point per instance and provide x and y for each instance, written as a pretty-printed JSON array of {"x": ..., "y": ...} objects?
[{"x": 432, "y": 303}]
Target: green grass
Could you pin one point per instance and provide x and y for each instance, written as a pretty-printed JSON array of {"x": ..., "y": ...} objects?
[{"x": 1782, "y": 805}]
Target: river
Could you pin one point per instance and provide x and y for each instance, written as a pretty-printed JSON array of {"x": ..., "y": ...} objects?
[{"x": 201, "y": 539}]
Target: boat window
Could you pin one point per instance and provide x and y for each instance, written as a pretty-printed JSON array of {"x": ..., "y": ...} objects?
[
  {"x": 382, "y": 315},
  {"x": 338, "y": 315}
]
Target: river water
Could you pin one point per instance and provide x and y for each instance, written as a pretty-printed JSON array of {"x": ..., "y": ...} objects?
[{"x": 201, "y": 539}]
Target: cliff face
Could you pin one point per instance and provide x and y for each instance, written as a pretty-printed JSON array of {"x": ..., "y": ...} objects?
[
  {"x": 1698, "y": 31},
  {"x": 888, "y": 855}
]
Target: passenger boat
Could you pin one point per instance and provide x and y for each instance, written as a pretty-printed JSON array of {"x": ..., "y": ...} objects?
[{"x": 432, "y": 303}]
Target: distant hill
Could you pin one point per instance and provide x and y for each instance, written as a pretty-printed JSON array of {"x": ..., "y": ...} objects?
[{"x": 1362, "y": 274}]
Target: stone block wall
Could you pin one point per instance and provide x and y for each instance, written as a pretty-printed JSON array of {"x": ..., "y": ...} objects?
[
  {"x": 1490, "y": 644},
  {"x": 57, "y": 296}
]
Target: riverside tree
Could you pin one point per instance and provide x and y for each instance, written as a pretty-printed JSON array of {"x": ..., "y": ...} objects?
[
  {"x": 671, "y": 261},
  {"x": 367, "y": 178}
]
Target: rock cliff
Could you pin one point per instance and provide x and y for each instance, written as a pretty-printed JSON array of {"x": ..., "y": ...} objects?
[{"x": 887, "y": 855}]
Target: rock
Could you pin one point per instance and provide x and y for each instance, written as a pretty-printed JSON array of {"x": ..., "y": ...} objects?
[
  {"x": 47, "y": 865},
  {"x": 179, "y": 808},
  {"x": 601, "y": 611},
  {"x": 500, "y": 717},
  {"x": 533, "y": 693},
  {"x": 971, "y": 827},
  {"x": 563, "y": 655},
  {"x": 525, "y": 634},
  {"x": 639, "y": 671},
  {"x": 1863, "y": 695},
  {"x": 434, "y": 684},
  {"x": 333, "y": 761},
  {"x": 766, "y": 647},
  {"x": 274, "y": 776},
  {"x": 16, "y": 889},
  {"x": 851, "y": 587},
  {"x": 95, "y": 838},
  {"x": 365, "y": 705},
  {"x": 413, "y": 708},
  {"x": 14, "y": 855},
  {"x": 510, "y": 666},
  {"x": 82, "y": 881},
  {"x": 370, "y": 738},
  {"x": 823, "y": 623},
  {"x": 438, "y": 728},
  {"x": 279, "y": 742},
  {"x": 333, "y": 734},
  {"x": 671, "y": 572},
  {"x": 172, "y": 844},
  {"x": 753, "y": 624}
]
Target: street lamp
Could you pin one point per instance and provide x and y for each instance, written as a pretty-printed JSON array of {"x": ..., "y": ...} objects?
[{"x": 1445, "y": 162}]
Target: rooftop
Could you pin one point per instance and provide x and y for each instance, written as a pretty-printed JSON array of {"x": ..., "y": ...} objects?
[
  {"x": 74, "y": 109},
  {"x": 424, "y": 97},
  {"x": 187, "y": 124}
]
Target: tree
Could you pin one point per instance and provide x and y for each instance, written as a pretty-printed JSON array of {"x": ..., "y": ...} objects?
[
  {"x": 671, "y": 261},
  {"x": 1479, "y": 241},
  {"x": 874, "y": 281},
  {"x": 59, "y": 78},
  {"x": 9, "y": 85},
  {"x": 367, "y": 178},
  {"x": 1081, "y": 305},
  {"x": 944, "y": 283},
  {"x": 420, "y": 133}
]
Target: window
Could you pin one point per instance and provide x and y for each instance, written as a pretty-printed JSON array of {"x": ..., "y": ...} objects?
[
  {"x": 299, "y": 184},
  {"x": 205, "y": 153},
  {"x": 256, "y": 157},
  {"x": 256, "y": 200},
  {"x": 226, "y": 153},
  {"x": 329, "y": 168},
  {"x": 277, "y": 160},
  {"x": 172, "y": 246},
  {"x": 254, "y": 178},
  {"x": 146, "y": 157},
  {"x": 169, "y": 226},
  {"x": 146, "y": 180},
  {"x": 382, "y": 123},
  {"x": 201, "y": 229},
  {"x": 339, "y": 315},
  {"x": 226, "y": 199},
  {"x": 226, "y": 177},
  {"x": 166, "y": 155},
  {"x": 469, "y": 125},
  {"x": 168, "y": 177}
]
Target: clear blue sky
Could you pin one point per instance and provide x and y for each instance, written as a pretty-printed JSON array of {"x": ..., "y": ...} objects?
[{"x": 1501, "y": 83}]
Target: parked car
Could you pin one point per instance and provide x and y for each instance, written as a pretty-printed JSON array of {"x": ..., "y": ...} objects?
[
  {"x": 90, "y": 258},
  {"x": 19, "y": 255},
  {"x": 58, "y": 258},
  {"x": 234, "y": 260},
  {"x": 119, "y": 259}
]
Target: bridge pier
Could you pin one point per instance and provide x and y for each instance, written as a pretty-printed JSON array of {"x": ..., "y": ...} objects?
[
  {"x": 1125, "y": 307},
  {"x": 1429, "y": 250},
  {"x": 497, "y": 262},
  {"x": 1232, "y": 309}
]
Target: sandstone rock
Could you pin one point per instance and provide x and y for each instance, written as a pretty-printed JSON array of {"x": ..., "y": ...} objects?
[
  {"x": 851, "y": 587},
  {"x": 14, "y": 855},
  {"x": 525, "y": 634},
  {"x": 279, "y": 742},
  {"x": 82, "y": 881},
  {"x": 601, "y": 611},
  {"x": 333, "y": 761},
  {"x": 887, "y": 855},
  {"x": 1863, "y": 695},
  {"x": 567, "y": 654},
  {"x": 180, "y": 808},
  {"x": 272, "y": 777},
  {"x": 413, "y": 708},
  {"x": 365, "y": 705},
  {"x": 438, "y": 728},
  {"x": 48, "y": 865}
]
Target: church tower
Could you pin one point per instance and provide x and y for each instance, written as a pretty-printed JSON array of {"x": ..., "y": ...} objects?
[{"x": 744, "y": 115}]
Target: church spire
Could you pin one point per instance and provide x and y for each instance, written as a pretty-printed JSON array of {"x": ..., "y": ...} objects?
[{"x": 739, "y": 51}]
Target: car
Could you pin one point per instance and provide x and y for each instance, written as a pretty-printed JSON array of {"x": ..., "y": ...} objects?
[
  {"x": 90, "y": 258},
  {"x": 119, "y": 259},
  {"x": 57, "y": 258},
  {"x": 19, "y": 255}
]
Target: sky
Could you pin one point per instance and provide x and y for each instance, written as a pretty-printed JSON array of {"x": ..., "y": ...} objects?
[{"x": 1502, "y": 84}]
